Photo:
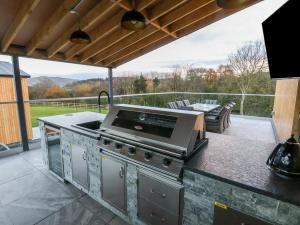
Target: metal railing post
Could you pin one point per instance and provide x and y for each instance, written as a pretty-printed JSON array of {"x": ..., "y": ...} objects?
[{"x": 110, "y": 86}]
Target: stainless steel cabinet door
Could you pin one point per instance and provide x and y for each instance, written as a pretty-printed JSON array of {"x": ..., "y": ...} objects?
[
  {"x": 113, "y": 181},
  {"x": 80, "y": 166}
]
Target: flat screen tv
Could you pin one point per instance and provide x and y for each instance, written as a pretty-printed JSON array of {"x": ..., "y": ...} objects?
[{"x": 282, "y": 39}]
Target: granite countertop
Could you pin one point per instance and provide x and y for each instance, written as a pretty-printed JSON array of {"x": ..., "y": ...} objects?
[
  {"x": 67, "y": 120},
  {"x": 242, "y": 162}
]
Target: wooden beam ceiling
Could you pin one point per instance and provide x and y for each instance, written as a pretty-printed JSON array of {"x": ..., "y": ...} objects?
[
  {"x": 23, "y": 14},
  {"x": 88, "y": 20},
  {"x": 111, "y": 44},
  {"x": 59, "y": 14}
]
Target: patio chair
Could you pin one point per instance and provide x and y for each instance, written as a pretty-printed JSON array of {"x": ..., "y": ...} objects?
[
  {"x": 180, "y": 104},
  {"x": 186, "y": 102},
  {"x": 215, "y": 123},
  {"x": 172, "y": 105}
]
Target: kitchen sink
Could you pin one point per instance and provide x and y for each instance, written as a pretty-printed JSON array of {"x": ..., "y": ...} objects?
[{"x": 92, "y": 126}]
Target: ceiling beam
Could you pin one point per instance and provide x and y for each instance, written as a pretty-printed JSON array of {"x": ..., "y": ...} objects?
[
  {"x": 195, "y": 16},
  {"x": 129, "y": 41},
  {"x": 175, "y": 15},
  {"x": 186, "y": 9},
  {"x": 142, "y": 4},
  {"x": 142, "y": 51},
  {"x": 139, "y": 45},
  {"x": 58, "y": 15},
  {"x": 42, "y": 54},
  {"x": 101, "y": 31},
  {"x": 205, "y": 22},
  {"x": 157, "y": 11},
  {"x": 22, "y": 16},
  {"x": 105, "y": 43},
  {"x": 86, "y": 21}
]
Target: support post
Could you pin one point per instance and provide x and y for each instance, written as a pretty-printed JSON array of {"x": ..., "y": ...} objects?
[
  {"x": 110, "y": 86},
  {"x": 20, "y": 102}
]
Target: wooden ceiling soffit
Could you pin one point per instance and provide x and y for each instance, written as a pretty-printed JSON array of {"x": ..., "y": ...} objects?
[
  {"x": 105, "y": 43},
  {"x": 42, "y": 54},
  {"x": 101, "y": 31},
  {"x": 131, "y": 49},
  {"x": 58, "y": 15},
  {"x": 87, "y": 21},
  {"x": 143, "y": 51},
  {"x": 157, "y": 11},
  {"x": 22, "y": 16},
  {"x": 119, "y": 46},
  {"x": 175, "y": 15}
]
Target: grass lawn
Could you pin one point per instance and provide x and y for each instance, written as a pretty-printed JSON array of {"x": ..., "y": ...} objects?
[{"x": 42, "y": 111}]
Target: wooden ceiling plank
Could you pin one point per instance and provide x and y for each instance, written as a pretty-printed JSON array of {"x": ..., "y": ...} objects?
[
  {"x": 22, "y": 16},
  {"x": 139, "y": 45},
  {"x": 142, "y": 4},
  {"x": 163, "y": 8},
  {"x": 42, "y": 54},
  {"x": 205, "y": 22},
  {"x": 86, "y": 21},
  {"x": 143, "y": 51},
  {"x": 97, "y": 34},
  {"x": 195, "y": 16},
  {"x": 59, "y": 14},
  {"x": 131, "y": 40},
  {"x": 186, "y": 9},
  {"x": 105, "y": 43},
  {"x": 157, "y": 12}
]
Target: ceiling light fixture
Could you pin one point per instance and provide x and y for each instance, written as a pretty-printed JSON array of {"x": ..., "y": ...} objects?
[
  {"x": 79, "y": 36},
  {"x": 133, "y": 20},
  {"x": 232, "y": 4}
]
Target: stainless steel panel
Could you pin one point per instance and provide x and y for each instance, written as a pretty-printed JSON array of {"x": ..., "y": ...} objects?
[
  {"x": 80, "y": 166},
  {"x": 188, "y": 125},
  {"x": 152, "y": 214},
  {"x": 113, "y": 181},
  {"x": 54, "y": 151},
  {"x": 165, "y": 194}
]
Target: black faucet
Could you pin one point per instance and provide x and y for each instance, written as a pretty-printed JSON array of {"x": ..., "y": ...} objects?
[{"x": 99, "y": 99}]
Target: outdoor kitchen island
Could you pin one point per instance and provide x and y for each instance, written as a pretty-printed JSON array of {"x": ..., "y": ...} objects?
[{"x": 227, "y": 179}]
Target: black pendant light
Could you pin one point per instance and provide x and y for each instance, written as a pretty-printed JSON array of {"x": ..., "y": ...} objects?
[
  {"x": 232, "y": 4},
  {"x": 133, "y": 20},
  {"x": 79, "y": 36}
]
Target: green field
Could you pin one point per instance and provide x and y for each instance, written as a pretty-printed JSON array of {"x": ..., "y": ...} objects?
[{"x": 42, "y": 111}]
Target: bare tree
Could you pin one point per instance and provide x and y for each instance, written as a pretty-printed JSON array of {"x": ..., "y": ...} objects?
[{"x": 248, "y": 60}]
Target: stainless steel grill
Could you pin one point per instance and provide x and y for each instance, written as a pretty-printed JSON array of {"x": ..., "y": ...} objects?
[{"x": 153, "y": 137}]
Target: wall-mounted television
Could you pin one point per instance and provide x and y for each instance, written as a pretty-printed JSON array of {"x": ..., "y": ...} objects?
[{"x": 282, "y": 39}]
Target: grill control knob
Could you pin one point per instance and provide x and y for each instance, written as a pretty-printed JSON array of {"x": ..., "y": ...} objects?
[
  {"x": 106, "y": 142},
  {"x": 118, "y": 145},
  {"x": 148, "y": 156},
  {"x": 167, "y": 162},
  {"x": 131, "y": 150}
]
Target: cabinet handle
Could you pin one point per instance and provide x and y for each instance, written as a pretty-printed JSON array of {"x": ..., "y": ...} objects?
[
  {"x": 84, "y": 156},
  {"x": 121, "y": 172},
  {"x": 162, "y": 219},
  {"x": 163, "y": 195}
]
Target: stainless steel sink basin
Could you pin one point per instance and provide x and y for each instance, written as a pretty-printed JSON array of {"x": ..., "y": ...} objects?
[{"x": 92, "y": 126}]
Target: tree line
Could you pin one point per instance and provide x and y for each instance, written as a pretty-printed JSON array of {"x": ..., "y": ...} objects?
[{"x": 246, "y": 72}]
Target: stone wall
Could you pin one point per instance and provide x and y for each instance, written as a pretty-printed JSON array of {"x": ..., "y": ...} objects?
[{"x": 201, "y": 192}]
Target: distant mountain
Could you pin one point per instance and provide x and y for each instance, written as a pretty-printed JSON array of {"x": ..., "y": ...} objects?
[{"x": 53, "y": 80}]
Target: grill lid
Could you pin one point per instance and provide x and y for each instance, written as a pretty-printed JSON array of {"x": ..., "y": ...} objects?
[{"x": 172, "y": 130}]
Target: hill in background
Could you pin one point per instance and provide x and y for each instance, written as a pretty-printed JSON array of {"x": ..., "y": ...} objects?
[{"x": 58, "y": 81}]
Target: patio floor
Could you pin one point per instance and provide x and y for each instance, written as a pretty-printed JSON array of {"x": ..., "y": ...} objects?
[
  {"x": 31, "y": 195},
  {"x": 250, "y": 127}
]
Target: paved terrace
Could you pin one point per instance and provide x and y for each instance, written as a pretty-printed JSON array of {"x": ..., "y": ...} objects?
[{"x": 31, "y": 195}]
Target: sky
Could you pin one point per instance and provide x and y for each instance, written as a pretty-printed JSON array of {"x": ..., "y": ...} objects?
[{"x": 208, "y": 47}]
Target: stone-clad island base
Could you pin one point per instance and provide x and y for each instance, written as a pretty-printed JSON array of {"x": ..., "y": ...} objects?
[{"x": 201, "y": 190}]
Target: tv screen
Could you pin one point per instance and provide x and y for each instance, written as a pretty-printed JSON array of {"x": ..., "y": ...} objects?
[{"x": 282, "y": 39}]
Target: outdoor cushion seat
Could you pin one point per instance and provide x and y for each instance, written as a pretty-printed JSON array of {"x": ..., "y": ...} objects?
[
  {"x": 215, "y": 123},
  {"x": 172, "y": 105},
  {"x": 180, "y": 104},
  {"x": 186, "y": 102}
]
